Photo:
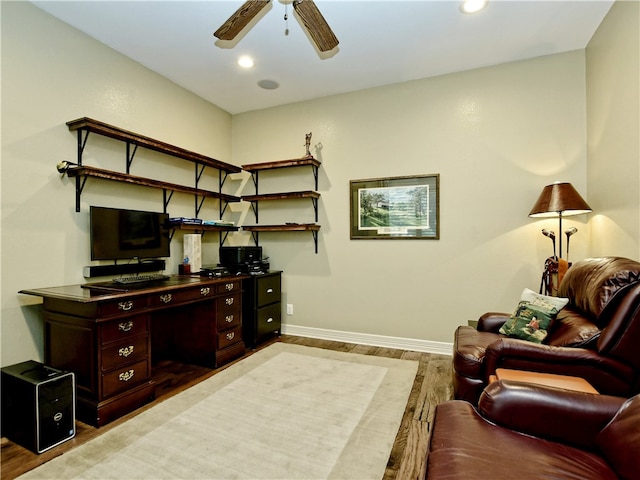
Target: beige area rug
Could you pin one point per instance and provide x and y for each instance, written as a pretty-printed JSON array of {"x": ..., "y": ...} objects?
[{"x": 285, "y": 412}]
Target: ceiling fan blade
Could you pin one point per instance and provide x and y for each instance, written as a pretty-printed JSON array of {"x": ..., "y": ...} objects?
[
  {"x": 240, "y": 19},
  {"x": 316, "y": 25}
]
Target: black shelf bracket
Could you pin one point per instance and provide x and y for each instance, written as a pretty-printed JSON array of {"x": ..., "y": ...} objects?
[
  {"x": 315, "y": 177},
  {"x": 199, "y": 170},
  {"x": 130, "y": 156},
  {"x": 254, "y": 177},
  {"x": 223, "y": 208},
  {"x": 81, "y": 144},
  {"x": 199, "y": 205},
  {"x": 222, "y": 178},
  {"x": 80, "y": 182},
  {"x": 256, "y": 237},
  {"x": 166, "y": 199},
  {"x": 254, "y": 207}
]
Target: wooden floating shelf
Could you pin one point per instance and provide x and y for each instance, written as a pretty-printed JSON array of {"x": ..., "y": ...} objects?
[
  {"x": 100, "y": 128},
  {"x": 287, "y": 227},
  {"x": 295, "y": 162},
  {"x": 280, "y": 196},
  {"x": 202, "y": 227},
  {"x": 124, "y": 177}
]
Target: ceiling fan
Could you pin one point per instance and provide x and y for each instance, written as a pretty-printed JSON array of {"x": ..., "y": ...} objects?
[{"x": 307, "y": 10}]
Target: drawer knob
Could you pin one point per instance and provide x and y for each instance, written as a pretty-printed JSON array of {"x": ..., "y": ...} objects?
[
  {"x": 205, "y": 291},
  {"x": 270, "y": 319},
  {"x": 229, "y": 286},
  {"x": 228, "y": 301},
  {"x": 125, "y": 305},
  {"x": 126, "y": 376},
  {"x": 231, "y": 335},
  {"x": 228, "y": 318},
  {"x": 125, "y": 326},
  {"x": 165, "y": 298},
  {"x": 269, "y": 290},
  {"x": 125, "y": 351}
]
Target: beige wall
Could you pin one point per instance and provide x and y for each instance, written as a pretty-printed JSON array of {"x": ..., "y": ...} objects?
[
  {"x": 613, "y": 105},
  {"x": 51, "y": 74},
  {"x": 496, "y": 136}
]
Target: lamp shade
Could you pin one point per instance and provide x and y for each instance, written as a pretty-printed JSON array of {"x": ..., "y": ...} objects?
[{"x": 559, "y": 199}]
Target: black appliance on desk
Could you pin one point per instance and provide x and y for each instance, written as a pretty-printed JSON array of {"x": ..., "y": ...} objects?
[{"x": 244, "y": 260}]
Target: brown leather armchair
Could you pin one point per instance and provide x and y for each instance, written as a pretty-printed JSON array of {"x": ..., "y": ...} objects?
[
  {"x": 596, "y": 336},
  {"x": 525, "y": 431}
]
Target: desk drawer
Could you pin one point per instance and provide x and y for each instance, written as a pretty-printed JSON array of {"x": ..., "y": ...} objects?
[
  {"x": 124, "y": 378},
  {"x": 227, "y": 287},
  {"x": 124, "y": 328},
  {"x": 268, "y": 320},
  {"x": 118, "y": 307},
  {"x": 180, "y": 296},
  {"x": 228, "y": 319},
  {"x": 228, "y": 305},
  {"x": 135, "y": 348},
  {"x": 268, "y": 290},
  {"x": 229, "y": 337}
]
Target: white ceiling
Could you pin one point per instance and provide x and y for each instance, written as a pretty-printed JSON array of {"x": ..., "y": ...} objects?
[{"x": 381, "y": 42}]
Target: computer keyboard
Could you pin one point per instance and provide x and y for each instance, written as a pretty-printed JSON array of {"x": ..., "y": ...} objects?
[{"x": 151, "y": 277}]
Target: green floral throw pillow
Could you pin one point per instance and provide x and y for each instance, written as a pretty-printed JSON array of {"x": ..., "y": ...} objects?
[{"x": 530, "y": 321}]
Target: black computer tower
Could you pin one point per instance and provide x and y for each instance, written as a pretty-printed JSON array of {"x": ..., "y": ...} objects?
[{"x": 38, "y": 405}]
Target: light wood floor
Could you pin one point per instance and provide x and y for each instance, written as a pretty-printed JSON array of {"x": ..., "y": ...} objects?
[{"x": 431, "y": 386}]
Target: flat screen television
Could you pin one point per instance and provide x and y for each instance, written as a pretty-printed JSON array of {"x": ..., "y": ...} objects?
[{"x": 118, "y": 234}]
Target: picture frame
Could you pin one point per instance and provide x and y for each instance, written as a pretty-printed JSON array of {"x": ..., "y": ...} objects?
[{"x": 395, "y": 208}]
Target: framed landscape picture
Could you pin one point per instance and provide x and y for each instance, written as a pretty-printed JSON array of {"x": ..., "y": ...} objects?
[{"x": 395, "y": 208}]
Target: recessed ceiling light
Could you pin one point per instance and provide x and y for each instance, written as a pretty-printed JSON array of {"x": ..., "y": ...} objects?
[
  {"x": 268, "y": 84},
  {"x": 473, "y": 6},
  {"x": 245, "y": 61}
]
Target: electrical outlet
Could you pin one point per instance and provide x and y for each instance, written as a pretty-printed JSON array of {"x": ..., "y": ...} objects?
[{"x": 289, "y": 309}]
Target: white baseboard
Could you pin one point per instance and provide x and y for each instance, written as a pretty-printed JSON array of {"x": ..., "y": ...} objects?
[{"x": 440, "y": 348}]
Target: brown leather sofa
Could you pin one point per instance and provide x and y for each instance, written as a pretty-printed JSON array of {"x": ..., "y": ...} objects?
[
  {"x": 523, "y": 431},
  {"x": 596, "y": 336}
]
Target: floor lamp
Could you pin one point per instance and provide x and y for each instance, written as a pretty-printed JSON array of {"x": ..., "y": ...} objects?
[
  {"x": 562, "y": 200},
  {"x": 558, "y": 199}
]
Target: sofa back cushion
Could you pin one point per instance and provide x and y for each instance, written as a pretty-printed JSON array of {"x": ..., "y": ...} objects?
[
  {"x": 591, "y": 283},
  {"x": 619, "y": 441},
  {"x": 572, "y": 329}
]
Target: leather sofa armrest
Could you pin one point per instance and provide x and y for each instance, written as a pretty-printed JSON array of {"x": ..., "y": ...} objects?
[
  {"x": 555, "y": 414},
  {"x": 511, "y": 353},
  {"x": 492, "y": 321}
]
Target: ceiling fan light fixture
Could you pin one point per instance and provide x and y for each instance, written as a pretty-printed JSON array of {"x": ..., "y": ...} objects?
[
  {"x": 245, "y": 61},
  {"x": 472, "y": 6}
]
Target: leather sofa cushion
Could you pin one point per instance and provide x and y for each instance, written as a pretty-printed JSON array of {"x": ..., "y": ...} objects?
[
  {"x": 591, "y": 283},
  {"x": 463, "y": 445},
  {"x": 571, "y": 329},
  {"x": 620, "y": 440}
]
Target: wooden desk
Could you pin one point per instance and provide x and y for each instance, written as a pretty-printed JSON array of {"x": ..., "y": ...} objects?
[
  {"x": 548, "y": 379},
  {"x": 109, "y": 336}
]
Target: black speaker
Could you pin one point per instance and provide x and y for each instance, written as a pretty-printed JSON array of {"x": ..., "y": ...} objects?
[
  {"x": 38, "y": 405},
  {"x": 123, "y": 268}
]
